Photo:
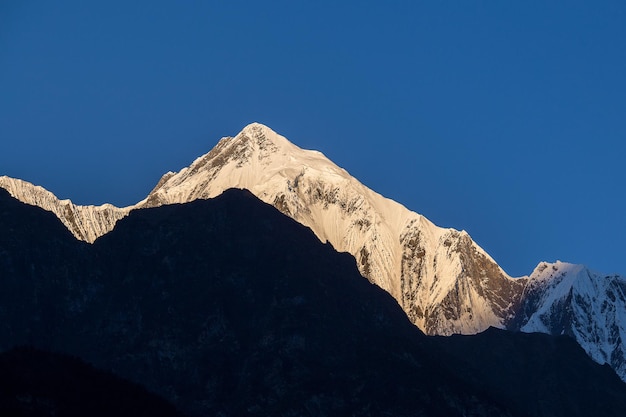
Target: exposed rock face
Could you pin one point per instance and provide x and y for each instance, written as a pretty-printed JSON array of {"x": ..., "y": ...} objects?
[{"x": 227, "y": 307}]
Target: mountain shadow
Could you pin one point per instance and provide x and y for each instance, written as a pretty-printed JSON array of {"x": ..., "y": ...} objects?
[
  {"x": 227, "y": 307},
  {"x": 34, "y": 383},
  {"x": 533, "y": 373}
]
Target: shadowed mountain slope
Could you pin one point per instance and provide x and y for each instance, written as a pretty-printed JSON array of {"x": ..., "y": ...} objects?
[
  {"x": 34, "y": 383},
  {"x": 227, "y": 306},
  {"x": 533, "y": 373}
]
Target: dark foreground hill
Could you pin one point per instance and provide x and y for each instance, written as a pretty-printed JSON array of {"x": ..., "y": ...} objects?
[
  {"x": 34, "y": 383},
  {"x": 227, "y": 307}
]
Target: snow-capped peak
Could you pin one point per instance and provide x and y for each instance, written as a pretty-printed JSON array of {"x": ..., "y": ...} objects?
[
  {"x": 443, "y": 280},
  {"x": 565, "y": 298},
  {"x": 440, "y": 276}
]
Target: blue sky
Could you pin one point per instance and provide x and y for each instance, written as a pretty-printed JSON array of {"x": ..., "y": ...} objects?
[{"x": 506, "y": 119}]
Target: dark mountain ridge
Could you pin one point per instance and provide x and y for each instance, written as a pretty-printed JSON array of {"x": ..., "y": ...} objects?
[
  {"x": 34, "y": 383},
  {"x": 227, "y": 307}
]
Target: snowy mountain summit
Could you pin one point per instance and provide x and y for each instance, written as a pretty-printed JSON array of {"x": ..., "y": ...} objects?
[
  {"x": 563, "y": 298},
  {"x": 441, "y": 278}
]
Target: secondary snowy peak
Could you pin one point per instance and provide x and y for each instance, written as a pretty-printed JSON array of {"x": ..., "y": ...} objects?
[
  {"x": 85, "y": 222},
  {"x": 563, "y": 298},
  {"x": 442, "y": 279}
]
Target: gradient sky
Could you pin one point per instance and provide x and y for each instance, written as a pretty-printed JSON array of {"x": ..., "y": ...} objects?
[{"x": 506, "y": 119}]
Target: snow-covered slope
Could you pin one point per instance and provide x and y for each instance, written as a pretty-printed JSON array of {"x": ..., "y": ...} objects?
[
  {"x": 85, "y": 222},
  {"x": 563, "y": 298},
  {"x": 442, "y": 279}
]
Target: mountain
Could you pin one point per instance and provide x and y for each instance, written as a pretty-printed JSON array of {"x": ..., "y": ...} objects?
[
  {"x": 228, "y": 307},
  {"x": 444, "y": 282},
  {"x": 442, "y": 279},
  {"x": 563, "y": 298}
]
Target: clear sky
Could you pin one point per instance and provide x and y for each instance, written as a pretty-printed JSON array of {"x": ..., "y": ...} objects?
[{"x": 503, "y": 118}]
